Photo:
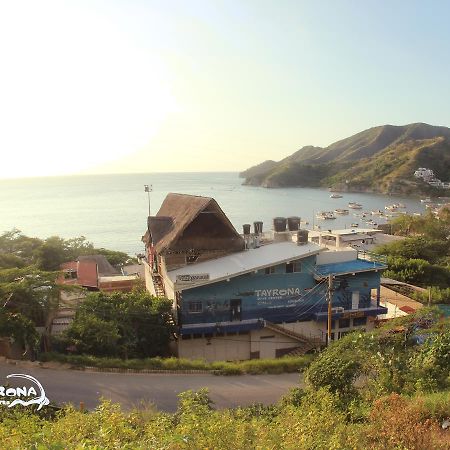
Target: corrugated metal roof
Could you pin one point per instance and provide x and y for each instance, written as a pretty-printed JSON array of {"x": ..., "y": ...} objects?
[{"x": 244, "y": 262}]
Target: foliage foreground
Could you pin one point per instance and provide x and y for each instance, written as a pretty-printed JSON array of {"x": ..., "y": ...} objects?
[
  {"x": 302, "y": 420},
  {"x": 386, "y": 389}
]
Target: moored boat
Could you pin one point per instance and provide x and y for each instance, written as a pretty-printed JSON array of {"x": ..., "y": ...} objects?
[
  {"x": 325, "y": 215},
  {"x": 341, "y": 211},
  {"x": 354, "y": 205}
]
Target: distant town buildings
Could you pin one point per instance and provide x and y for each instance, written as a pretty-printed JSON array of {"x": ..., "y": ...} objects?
[{"x": 429, "y": 177}]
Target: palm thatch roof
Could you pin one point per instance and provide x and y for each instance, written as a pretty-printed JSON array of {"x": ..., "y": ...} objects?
[{"x": 176, "y": 217}]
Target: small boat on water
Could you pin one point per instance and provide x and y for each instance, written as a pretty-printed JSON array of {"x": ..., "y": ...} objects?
[
  {"x": 399, "y": 205},
  {"x": 354, "y": 205},
  {"x": 335, "y": 195},
  {"x": 426, "y": 200},
  {"x": 391, "y": 208},
  {"x": 355, "y": 225},
  {"x": 341, "y": 211},
  {"x": 325, "y": 215},
  {"x": 377, "y": 212}
]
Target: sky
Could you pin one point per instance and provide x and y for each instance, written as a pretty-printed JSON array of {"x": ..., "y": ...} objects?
[{"x": 127, "y": 86}]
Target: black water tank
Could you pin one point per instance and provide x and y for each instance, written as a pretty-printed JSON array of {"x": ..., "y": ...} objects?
[
  {"x": 258, "y": 227},
  {"x": 246, "y": 228},
  {"x": 302, "y": 237},
  {"x": 279, "y": 224},
  {"x": 293, "y": 223}
]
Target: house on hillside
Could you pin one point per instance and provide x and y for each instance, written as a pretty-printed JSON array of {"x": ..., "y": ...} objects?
[
  {"x": 93, "y": 273},
  {"x": 255, "y": 295}
]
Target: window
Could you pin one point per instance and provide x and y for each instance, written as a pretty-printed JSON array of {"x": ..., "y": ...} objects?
[
  {"x": 344, "y": 323},
  {"x": 195, "y": 307},
  {"x": 358, "y": 321},
  {"x": 70, "y": 274},
  {"x": 270, "y": 270},
  {"x": 191, "y": 259},
  {"x": 293, "y": 267}
]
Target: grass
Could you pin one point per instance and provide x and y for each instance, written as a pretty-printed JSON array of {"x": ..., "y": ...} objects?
[{"x": 255, "y": 366}]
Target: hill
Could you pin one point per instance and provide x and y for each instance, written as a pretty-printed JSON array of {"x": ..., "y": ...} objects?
[{"x": 380, "y": 159}]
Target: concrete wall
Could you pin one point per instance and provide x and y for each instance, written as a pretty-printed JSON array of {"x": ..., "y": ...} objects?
[
  {"x": 224, "y": 348},
  {"x": 336, "y": 256},
  {"x": 266, "y": 342},
  {"x": 148, "y": 278},
  {"x": 263, "y": 343}
]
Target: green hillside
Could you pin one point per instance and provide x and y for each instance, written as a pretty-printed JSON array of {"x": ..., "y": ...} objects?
[{"x": 380, "y": 159}]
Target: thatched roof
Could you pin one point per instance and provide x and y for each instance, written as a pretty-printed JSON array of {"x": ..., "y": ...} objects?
[{"x": 177, "y": 212}]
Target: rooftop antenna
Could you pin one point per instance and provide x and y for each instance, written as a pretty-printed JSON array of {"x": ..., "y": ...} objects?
[{"x": 148, "y": 188}]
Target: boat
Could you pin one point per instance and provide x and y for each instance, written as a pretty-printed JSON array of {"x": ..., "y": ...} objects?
[
  {"x": 325, "y": 215},
  {"x": 426, "y": 200},
  {"x": 341, "y": 211},
  {"x": 335, "y": 196},
  {"x": 355, "y": 225},
  {"x": 377, "y": 212},
  {"x": 354, "y": 205},
  {"x": 391, "y": 208},
  {"x": 400, "y": 205}
]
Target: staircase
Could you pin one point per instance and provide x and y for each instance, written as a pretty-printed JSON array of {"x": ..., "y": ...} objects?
[
  {"x": 158, "y": 285},
  {"x": 305, "y": 343}
]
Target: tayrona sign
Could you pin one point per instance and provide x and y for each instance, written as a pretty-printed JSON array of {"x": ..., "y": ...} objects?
[{"x": 31, "y": 393}]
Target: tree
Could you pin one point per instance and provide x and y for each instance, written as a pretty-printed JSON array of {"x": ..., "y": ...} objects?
[{"x": 142, "y": 324}]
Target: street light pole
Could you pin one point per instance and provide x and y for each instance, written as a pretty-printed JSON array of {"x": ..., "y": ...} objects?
[{"x": 148, "y": 189}]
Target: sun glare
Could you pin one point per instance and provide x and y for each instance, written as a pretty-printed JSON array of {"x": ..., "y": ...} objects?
[{"x": 74, "y": 92}]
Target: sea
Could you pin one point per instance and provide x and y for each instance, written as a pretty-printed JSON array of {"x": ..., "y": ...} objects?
[{"x": 111, "y": 210}]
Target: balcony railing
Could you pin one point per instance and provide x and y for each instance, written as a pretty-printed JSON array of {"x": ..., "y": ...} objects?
[{"x": 372, "y": 257}]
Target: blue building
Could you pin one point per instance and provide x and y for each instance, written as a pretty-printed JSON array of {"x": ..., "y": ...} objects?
[{"x": 256, "y": 295}]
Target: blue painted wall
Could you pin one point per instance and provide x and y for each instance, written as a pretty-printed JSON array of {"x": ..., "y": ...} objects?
[{"x": 277, "y": 297}]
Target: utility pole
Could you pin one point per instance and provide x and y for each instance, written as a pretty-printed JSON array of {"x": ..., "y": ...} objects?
[
  {"x": 148, "y": 189},
  {"x": 330, "y": 301}
]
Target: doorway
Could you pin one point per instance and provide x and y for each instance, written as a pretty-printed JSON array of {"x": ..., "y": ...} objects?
[{"x": 235, "y": 310}]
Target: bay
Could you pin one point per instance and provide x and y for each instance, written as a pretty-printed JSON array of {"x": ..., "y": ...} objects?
[{"x": 111, "y": 210}]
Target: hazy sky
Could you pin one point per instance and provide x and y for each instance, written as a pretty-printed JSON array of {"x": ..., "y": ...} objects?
[{"x": 144, "y": 86}]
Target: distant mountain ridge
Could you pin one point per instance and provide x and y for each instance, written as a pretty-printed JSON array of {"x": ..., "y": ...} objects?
[{"x": 380, "y": 159}]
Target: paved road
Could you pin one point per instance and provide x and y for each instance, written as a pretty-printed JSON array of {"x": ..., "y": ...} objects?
[{"x": 73, "y": 386}]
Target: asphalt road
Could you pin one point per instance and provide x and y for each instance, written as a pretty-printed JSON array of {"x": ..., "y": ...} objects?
[{"x": 73, "y": 386}]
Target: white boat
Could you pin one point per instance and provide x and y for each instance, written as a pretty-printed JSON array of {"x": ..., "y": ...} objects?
[
  {"x": 391, "y": 208},
  {"x": 400, "y": 205},
  {"x": 325, "y": 215},
  {"x": 341, "y": 211},
  {"x": 355, "y": 225},
  {"x": 335, "y": 196},
  {"x": 377, "y": 212},
  {"x": 354, "y": 205},
  {"x": 426, "y": 200}
]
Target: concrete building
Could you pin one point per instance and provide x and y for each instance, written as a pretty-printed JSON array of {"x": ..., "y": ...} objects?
[{"x": 256, "y": 295}]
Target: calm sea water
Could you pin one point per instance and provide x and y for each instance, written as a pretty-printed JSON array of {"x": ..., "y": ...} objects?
[{"x": 111, "y": 210}]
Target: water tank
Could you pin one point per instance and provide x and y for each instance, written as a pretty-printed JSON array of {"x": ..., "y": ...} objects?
[
  {"x": 246, "y": 228},
  {"x": 302, "y": 237},
  {"x": 293, "y": 223},
  {"x": 279, "y": 224},
  {"x": 258, "y": 227}
]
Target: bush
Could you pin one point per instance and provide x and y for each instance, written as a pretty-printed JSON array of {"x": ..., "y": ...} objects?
[{"x": 256, "y": 366}]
